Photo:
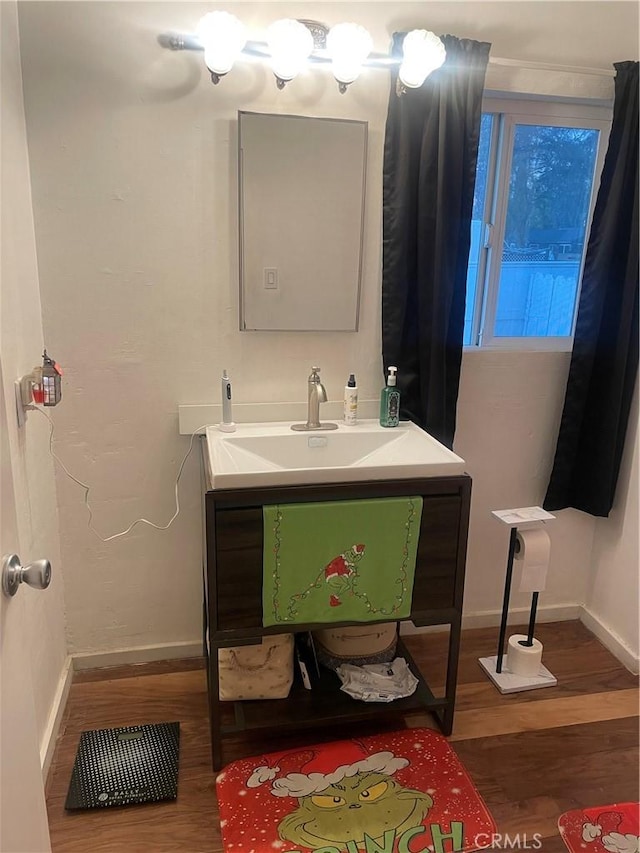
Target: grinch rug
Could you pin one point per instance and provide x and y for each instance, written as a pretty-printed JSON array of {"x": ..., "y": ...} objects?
[
  {"x": 405, "y": 792},
  {"x": 602, "y": 828}
]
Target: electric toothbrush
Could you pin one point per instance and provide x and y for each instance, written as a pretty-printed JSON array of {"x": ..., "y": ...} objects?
[{"x": 227, "y": 424}]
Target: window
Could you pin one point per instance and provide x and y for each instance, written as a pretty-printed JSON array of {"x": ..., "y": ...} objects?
[{"x": 536, "y": 182}]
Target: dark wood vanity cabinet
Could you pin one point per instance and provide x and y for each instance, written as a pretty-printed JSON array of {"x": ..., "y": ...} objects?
[{"x": 233, "y": 529}]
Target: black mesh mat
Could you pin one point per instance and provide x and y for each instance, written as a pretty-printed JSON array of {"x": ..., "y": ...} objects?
[{"x": 126, "y": 766}]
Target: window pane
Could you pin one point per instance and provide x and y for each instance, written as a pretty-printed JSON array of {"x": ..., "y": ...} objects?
[
  {"x": 549, "y": 193},
  {"x": 479, "y": 197}
]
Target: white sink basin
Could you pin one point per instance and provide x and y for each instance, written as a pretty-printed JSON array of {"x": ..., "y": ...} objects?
[{"x": 272, "y": 454}]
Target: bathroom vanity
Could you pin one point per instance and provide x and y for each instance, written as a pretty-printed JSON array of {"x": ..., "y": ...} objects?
[{"x": 233, "y": 548}]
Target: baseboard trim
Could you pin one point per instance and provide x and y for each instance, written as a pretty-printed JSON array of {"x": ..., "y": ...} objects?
[
  {"x": 52, "y": 729},
  {"x": 137, "y": 654},
  {"x": 616, "y": 645},
  {"x": 173, "y": 651},
  {"x": 479, "y": 619},
  {"x": 517, "y": 616},
  {"x": 552, "y": 613}
]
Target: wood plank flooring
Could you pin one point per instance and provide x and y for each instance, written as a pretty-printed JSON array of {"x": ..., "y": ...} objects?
[{"x": 532, "y": 755}]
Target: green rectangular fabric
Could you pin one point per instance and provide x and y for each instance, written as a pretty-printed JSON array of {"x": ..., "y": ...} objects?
[{"x": 339, "y": 561}]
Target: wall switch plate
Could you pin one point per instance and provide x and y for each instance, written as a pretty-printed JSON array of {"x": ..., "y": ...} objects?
[{"x": 270, "y": 278}]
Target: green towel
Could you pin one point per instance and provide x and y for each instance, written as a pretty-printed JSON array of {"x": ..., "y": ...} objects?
[{"x": 342, "y": 561}]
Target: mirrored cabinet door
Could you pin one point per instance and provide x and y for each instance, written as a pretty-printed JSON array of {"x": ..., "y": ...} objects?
[{"x": 302, "y": 186}]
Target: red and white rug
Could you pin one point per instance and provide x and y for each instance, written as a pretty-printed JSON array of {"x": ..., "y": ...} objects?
[
  {"x": 403, "y": 791},
  {"x": 602, "y": 829}
]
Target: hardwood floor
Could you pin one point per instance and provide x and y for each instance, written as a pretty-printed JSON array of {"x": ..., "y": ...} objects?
[{"x": 532, "y": 755}]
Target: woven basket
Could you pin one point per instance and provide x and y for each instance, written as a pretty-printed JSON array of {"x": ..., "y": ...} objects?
[
  {"x": 263, "y": 671},
  {"x": 358, "y": 644}
]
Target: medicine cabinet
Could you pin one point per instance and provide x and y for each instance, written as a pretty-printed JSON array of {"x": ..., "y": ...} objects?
[{"x": 301, "y": 206}]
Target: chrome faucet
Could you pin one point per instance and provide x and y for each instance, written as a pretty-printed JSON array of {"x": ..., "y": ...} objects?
[{"x": 316, "y": 394}]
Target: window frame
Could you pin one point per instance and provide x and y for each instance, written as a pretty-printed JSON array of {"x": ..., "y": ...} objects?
[{"x": 507, "y": 113}]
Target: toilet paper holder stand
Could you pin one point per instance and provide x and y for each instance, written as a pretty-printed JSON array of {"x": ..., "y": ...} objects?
[
  {"x": 504, "y": 680},
  {"x": 513, "y": 543}
]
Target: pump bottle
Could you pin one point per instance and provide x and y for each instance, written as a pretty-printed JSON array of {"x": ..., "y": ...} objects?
[
  {"x": 351, "y": 401},
  {"x": 390, "y": 401}
]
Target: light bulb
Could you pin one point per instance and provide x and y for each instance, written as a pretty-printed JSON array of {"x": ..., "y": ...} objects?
[
  {"x": 223, "y": 37},
  {"x": 290, "y": 45},
  {"x": 423, "y": 52},
  {"x": 348, "y": 45}
]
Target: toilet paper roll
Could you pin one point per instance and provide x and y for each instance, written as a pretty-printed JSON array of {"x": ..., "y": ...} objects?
[
  {"x": 533, "y": 548},
  {"x": 524, "y": 660}
]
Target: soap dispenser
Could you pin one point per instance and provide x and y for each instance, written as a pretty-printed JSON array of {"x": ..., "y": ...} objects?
[{"x": 390, "y": 401}]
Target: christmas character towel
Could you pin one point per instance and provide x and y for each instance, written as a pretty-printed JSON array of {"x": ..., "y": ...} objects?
[{"x": 342, "y": 561}]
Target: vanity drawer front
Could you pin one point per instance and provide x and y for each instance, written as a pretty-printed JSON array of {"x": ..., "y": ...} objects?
[
  {"x": 437, "y": 559},
  {"x": 238, "y": 537},
  {"x": 238, "y": 561}
]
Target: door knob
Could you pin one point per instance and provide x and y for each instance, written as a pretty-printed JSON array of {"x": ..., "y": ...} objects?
[{"x": 36, "y": 574}]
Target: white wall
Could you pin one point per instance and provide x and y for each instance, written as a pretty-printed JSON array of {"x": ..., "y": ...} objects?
[
  {"x": 509, "y": 412},
  {"x": 22, "y": 344},
  {"x": 133, "y": 164},
  {"x": 612, "y": 597}
]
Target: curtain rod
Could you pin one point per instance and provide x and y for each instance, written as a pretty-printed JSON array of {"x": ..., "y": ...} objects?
[{"x": 547, "y": 66}]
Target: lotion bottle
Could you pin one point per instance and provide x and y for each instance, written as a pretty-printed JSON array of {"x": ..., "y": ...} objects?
[
  {"x": 390, "y": 401},
  {"x": 351, "y": 401}
]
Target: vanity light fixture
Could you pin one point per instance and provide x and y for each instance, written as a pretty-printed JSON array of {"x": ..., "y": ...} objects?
[
  {"x": 223, "y": 37},
  {"x": 291, "y": 45},
  {"x": 422, "y": 53},
  {"x": 348, "y": 45}
]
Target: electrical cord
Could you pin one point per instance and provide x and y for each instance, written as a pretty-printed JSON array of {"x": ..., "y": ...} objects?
[{"x": 87, "y": 488}]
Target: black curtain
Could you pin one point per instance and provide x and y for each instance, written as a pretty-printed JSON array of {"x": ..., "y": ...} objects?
[
  {"x": 604, "y": 362},
  {"x": 430, "y": 154}
]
